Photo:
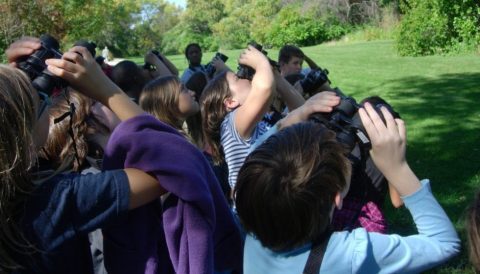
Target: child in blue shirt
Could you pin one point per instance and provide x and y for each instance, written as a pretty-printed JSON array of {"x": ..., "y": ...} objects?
[{"x": 289, "y": 186}]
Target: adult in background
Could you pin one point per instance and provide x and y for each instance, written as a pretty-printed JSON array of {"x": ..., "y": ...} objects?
[{"x": 193, "y": 53}]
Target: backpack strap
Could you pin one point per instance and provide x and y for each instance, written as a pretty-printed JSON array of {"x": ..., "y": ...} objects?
[{"x": 315, "y": 257}]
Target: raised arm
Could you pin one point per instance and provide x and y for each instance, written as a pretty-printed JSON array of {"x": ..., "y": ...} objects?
[
  {"x": 436, "y": 240},
  {"x": 161, "y": 67},
  {"x": 288, "y": 94},
  {"x": 388, "y": 149},
  {"x": 79, "y": 68},
  {"x": 219, "y": 65},
  {"x": 394, "y": 196},
  {"x": 251, "y": 111},
  {"x": 171, "y": 67},
  {"x": 320, "y": 102}
]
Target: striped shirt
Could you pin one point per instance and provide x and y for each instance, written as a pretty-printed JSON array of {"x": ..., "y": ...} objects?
[{"x": 235, "y": 147}]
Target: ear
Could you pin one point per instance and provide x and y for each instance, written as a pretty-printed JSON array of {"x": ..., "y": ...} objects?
[
  {"x": 338, "y": 200},
  {"x": 230, "y": 103}
]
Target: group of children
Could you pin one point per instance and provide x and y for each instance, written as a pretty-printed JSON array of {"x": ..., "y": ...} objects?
[{"x": 148, "y": 176}]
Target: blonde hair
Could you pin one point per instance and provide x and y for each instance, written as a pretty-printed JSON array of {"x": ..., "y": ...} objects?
[
  {"x": 213, "y": 112},
  {"x": 160, "y": 97},
  {"x": 18, "y": 110}
]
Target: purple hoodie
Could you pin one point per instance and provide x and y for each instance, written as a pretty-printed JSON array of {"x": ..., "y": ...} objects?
[{"x": 195, "y": 233}]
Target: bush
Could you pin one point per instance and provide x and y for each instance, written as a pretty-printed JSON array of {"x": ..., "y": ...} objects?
[
  {"x": 290, "y": 26},
  {"x": 231, "y": 33},
  {"x": 438, "y": 26},
  {"x": 176, "y": 39}
]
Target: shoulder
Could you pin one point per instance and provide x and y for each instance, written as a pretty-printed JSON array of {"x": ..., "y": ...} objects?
[
  {"x": 74, "y": 193},
  {"x": 101, "y": 179},
  {"x": 228, "y": 123},
  {"x": 75, "y": 185},
  {"x": 259, "y": 259},
  {"x": 347, "y": 250},
  {"x": 67, "y": 205}
]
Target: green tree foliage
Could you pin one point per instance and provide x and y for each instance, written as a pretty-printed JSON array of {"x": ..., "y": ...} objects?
[
  {"x": 246, "y": 21},
  {"x": 232, "y": 32},
  {"x": 262, "y": 12},
  {"x": 233, "y": 23},
  {"x": 106, "y": 22},
  {"x": 291, "y": 26},
  {"x": 438, "y": 26},
  {"x": 153, "y": 21},
  {"x": 195, "y": 26},
  {"x": 17, "y": 20}
]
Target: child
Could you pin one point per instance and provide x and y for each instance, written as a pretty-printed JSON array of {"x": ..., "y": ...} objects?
[
  {"x": 79, "y": 131},
  {"x": 232, "y": 108},
  {"x": 171, "y": 102},
  {"x": 289, "y": 186}
]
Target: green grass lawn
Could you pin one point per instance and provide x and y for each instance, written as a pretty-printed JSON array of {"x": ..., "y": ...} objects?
[{"x": 439, "y": 99}]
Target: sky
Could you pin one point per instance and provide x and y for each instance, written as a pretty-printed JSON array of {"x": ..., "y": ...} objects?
[{"x": 181, "y": 3}]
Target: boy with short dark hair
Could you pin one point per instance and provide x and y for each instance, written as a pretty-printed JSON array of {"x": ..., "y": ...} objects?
[{"x": 290, "y": 59}]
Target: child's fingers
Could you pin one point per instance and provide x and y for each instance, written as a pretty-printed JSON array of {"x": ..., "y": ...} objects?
[
  {"x": 17, "y": 52},
  {"x": 327, "y": 101},
  {"x": 60, "y": 72},
  {"x": 85, "y": 54},
  {"x": 61, "y": 64},
  {"x": 374, "y": 117},
  {"x": 332, "y": 98},
  {"x": 242, "y": 56},
  {"x": 368, "y": 124},
  {"x": 389, "y": 120},
  {"x": 73, "y": 57},
  {"x": 320, "y": 108},
  {"x": 323, "y": 102},
  {"x": 328, "y": 93},
  {"x": 24, "y": 47},
  {"x": 26, "y": 42},
  {"x": 325, "y": 95},
  {"x": 402, "y": 131}
]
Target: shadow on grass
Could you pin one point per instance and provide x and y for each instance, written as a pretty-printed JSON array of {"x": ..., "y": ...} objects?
[{"x": 444, "y": 144}]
